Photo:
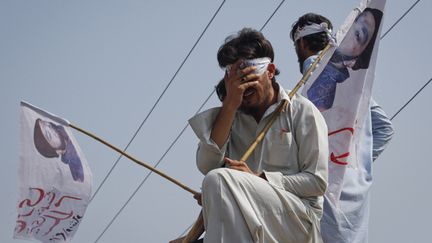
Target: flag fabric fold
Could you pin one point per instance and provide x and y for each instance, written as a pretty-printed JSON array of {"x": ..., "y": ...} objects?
[
  {"x": 341, "y": 88},
  {"x": 54, "y": 178}
]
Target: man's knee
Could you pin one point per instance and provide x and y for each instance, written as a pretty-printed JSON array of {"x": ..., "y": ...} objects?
[{"x": 212, "y": 179}]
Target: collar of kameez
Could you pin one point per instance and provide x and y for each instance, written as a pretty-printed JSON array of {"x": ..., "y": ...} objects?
[{"x": 283, "y": 96}]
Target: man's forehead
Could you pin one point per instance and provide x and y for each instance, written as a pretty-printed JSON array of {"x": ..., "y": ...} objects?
[{"x": 260, "y": 64}]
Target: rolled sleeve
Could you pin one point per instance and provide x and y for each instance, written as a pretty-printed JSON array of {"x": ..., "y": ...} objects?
[
  {"x": 382, "y": 129},
  {"x": 209, "y": 155},
  {"x": 302, "y": 184}
]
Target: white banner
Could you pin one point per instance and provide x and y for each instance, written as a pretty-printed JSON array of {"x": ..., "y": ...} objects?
[
  {"x": 55, "y": 179},
  {"x": 341, "y": 88}
]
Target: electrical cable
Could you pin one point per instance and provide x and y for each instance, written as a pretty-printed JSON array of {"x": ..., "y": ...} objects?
[
  {"x": 156, "y": 103},
  {"x": 418, "y": 92}
]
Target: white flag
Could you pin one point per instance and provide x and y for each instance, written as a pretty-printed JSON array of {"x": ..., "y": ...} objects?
[
  {"x": 341, "y": 88},
  {"x": 55, "y": 179}
]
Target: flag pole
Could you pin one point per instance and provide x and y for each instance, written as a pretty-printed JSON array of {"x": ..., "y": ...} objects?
[
  {"x": 178, "y": 183},
  {"x": 198, "y": 227}
]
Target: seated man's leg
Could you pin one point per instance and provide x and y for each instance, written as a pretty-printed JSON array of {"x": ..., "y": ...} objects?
[
  {"x": 241, "y": 207},
  {"x": 222, "y": 218}
]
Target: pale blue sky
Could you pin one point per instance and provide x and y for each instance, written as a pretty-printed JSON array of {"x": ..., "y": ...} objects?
[{"x": 103, "y": 64}]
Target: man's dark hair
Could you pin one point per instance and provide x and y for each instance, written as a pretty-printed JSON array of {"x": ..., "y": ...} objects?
[
  {"x": 363, "y": 59},
  {"x": 315, "y": 42},
  {"x": 246, "y": 44}
]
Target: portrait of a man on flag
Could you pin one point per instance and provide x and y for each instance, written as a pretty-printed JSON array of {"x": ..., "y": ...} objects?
[
  {"x": 353, "y": 53},
  {"x": 341, "y": 88},
  {"x": 52, "y": 141},
  {"x": 55, "y": 179}
]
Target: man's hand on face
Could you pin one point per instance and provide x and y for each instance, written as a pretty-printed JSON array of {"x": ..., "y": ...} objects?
[{"x": 236, "y": 82}]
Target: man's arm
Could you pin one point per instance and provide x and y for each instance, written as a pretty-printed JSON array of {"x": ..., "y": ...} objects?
[
  {"x": 235, "y": 84},
  {"x": 222, "y": 124},
  {"x": 213, "y": 128},
  {"x": 209, "y": 154},
  {"x": 382, "y": 129}
]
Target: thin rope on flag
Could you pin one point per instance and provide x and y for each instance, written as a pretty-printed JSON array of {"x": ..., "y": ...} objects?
[
  {"x": 157, "y": 102},
  {"x": 403, "y": 15},
  {"x": 418, "y": 92}
]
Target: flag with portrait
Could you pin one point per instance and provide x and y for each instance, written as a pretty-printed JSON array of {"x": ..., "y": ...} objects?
[
  {"x": 341, "y": 88},
  {"x": 54, "y": 178}
]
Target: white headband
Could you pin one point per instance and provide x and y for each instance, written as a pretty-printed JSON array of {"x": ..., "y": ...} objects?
[
  {"x": 260, "y": 64},
  {"x": 312, "y": 29}
]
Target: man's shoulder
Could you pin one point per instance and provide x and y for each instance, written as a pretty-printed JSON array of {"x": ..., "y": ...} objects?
[
  {"x": 302, "y": 107},
  {"x": 212, "y": 112},
  {"x": 299, "y": 100}
]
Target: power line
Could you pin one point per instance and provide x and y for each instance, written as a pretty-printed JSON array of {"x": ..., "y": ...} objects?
[
  {"x": 418, "y": 92},
  {"x": 271, "y": 16},
  {"x": 403, "y": 15},
  {"x": 385, "y": 34},
  {"x": 175, "y": 140},
  {"x": 157, "y": 101}
]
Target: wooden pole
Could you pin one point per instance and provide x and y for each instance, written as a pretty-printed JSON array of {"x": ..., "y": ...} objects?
[
  {"x": 263, "y": 132},
  {"x": 178, "y": 183}
]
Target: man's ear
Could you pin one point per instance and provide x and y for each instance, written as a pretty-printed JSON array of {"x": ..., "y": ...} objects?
[
  {"x": 271, "y": 68},
  {"x": 302, "y": 45}
]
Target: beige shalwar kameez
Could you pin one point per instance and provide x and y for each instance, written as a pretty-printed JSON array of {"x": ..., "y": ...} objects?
[{"x": 241, "y": 207}]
